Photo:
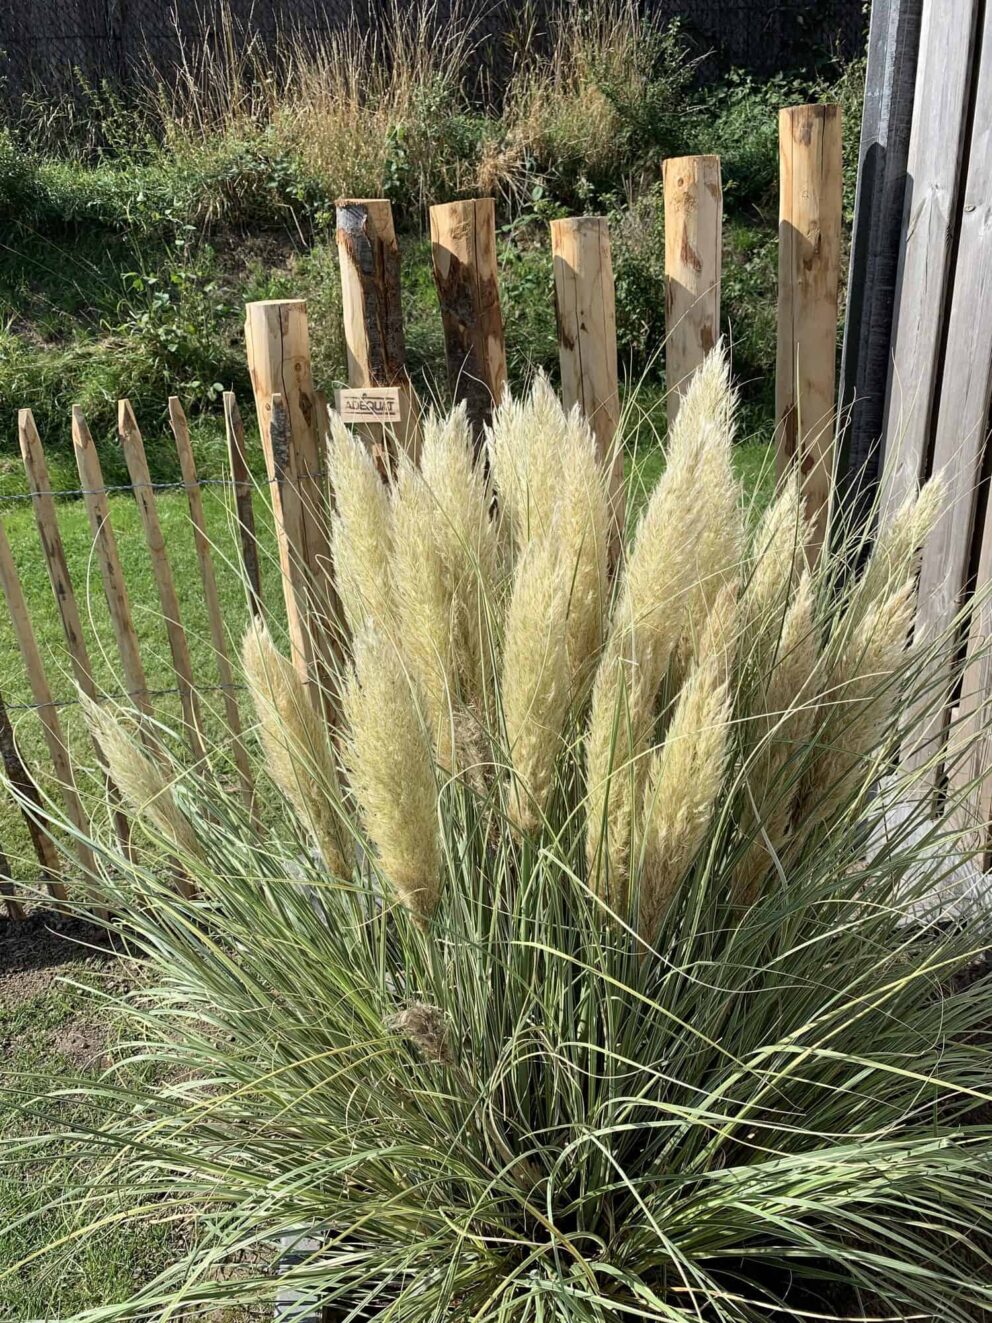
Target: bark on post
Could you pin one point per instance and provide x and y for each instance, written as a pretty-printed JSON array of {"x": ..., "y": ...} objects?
[
  {"x": 693, "y": 256},
  {"x": 808, "y": 270},
  {"x": 244, "y": 511},
  {"x": 369, "y": 258},
  {"x": 278, "y": 345},
  {"x": 585, "y": 306},
  {"x": 463, "y": 247}
]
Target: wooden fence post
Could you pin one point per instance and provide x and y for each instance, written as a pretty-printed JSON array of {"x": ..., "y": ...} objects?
[
  {"x": 278, "y": 345},
  {"x": 53, "y": 550},
  {"x": 215, "y": 615},
  {"x": 369, "y": 258},
  {"x": 693, "y": 260},
  {"x": 144, "y": 494},
  {"x": 959, "y": 454},
  {"x": 241, "y": 479},
  {"x": 876, "y": 243},
  {"x": 29, "y": 802},
  {"x": 810, "y": 201},
  {"x": 463, "y": 247},
  {"x": 585, "y": 307},
  {"x": 935, "y": 173},
  {"x": 108, "y": 559},
  {"x": 45, "y": 700}
]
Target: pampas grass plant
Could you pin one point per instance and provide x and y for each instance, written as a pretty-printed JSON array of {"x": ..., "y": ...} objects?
[{"x": 605, "y": 997}]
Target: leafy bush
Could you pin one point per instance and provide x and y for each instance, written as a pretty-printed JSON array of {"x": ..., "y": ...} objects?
[{"x": 586, "y": 974}]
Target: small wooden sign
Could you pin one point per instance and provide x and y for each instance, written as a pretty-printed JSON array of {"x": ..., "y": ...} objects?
[{"x": 369, "y": 404}]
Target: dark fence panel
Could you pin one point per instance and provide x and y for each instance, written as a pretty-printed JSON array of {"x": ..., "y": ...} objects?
[{"x": 43, "y": 42}]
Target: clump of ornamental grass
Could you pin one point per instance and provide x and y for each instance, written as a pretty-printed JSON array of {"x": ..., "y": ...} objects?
[{"x": 611, "y": 991}]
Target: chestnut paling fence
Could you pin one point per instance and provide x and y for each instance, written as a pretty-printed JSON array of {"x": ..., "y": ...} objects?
[{"x": 291, "y": 413}]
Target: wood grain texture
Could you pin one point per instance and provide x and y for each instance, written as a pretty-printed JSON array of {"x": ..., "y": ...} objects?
[
  {"x": 810, "y": 201},
  {"x": 959, "y": 454},
  {"x": 109, "y": 562},
  {"x": 237, "y": 456},
  {"x": 133, "y": 447},
  {"x": 463, "y": 248},
  {"x": 585, "y": 308},
  {"x": 44, "y": 699},
  {"x": 278, "y": 344},
  {"x": 211, "y": 597},
  {"x": 371, "y": 298},
  {"x": 53, "y": 551},
  {"x": 935, "y": 170},
  {"x": 876, "y": 247},
  {"x": 693, "y": 260}
]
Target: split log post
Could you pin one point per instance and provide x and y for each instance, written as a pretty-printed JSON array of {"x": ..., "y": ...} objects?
[
  {"x": 693, "y": 258},
  {"x": 109, "y": 561},
  {"x": 369, "y": 258},
  {"x": 29, "y": 802},
  {"x": 144, "y": 494},
  {"x": 53, "y": 550},
  {"x": 244, "y": 512},
  {"x": 463, "y": 248},
  {"x": 44, "y": 699},
  {"x": 810, "y": 198},
  {"x": 211, "y": 597},
  {"x": 585, "y": 307},
  {"x": 278, "y": 345}
]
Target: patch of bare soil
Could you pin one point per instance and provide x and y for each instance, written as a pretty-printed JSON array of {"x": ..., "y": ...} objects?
[
  {"x": 83, "y": 1043},
  {"x": 34, "y": 950}
]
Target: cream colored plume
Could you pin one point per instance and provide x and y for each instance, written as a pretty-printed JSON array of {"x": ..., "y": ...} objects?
[
  {"x": 536, "y": 681},
  {"x": 663, "y": 575},
  {"x": 298, "y": 752},
  {"x": 781, "y": 719},
  {"x": 778, "y": 563},
  {"x": 893, "y": 557},
  {"x": 524, "y": 445},
  {"x": 361, "y": 536},
  {"x": 140, "y": 778},
  {"x": 858, "y": 699},
  {"x": 425, "y": 607},
  {"x": 464, "y": 534},
  {"x": 683, "y": 780},
  {"x": 710, "y": 403},
  {"x": 391, "y": 773}
]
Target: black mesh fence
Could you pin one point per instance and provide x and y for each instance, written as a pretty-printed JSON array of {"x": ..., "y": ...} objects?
[{"x": 46, "y": 44}]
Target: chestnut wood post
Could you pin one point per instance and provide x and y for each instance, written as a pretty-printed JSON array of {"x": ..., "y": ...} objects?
[
  {"x": 53, "y": 550},
  {"x": 237, "y": 455},
  {"x": 44, "y": 699},
  {"x": 693, "y": 258},
  {"x": 369, "y": 258},
  {"x": 133, "y": 447},
  {"x": 585, "y": 306},
  {"x": 278, "y": 345},
  {"x": 211, "y": 597},
  {"x": 463, "y": 248},
  {"x": 808, "y": 269}
]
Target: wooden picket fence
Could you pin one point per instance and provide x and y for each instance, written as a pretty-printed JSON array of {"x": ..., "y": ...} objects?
[{"x": 291, "y": 413}]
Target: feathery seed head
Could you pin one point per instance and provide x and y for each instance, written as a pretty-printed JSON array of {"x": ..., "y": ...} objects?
[
  {"x": 299, "y": 755},
  {"x": 388, "y": 752},
  {"x": 361, "y": 536}
]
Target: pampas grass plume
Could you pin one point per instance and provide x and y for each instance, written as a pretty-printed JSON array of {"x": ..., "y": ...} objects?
[
  {"x": 298, "y": 753},
  {"x": 389, "y": 763},
  {"x": 140, "y": 778},
  {"x": 535, "y": 685},
  {"x": 683, "y": 780},
  {"x": 361, "y": 536}
]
